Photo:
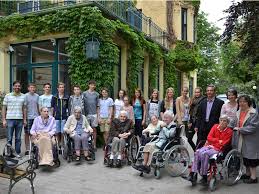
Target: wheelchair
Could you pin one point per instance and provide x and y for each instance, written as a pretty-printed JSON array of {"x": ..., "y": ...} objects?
[
  {"x": 173, "y": 156},
  {"x": 69, "y": 148},
  {"x": 225, "y": 166},
  {"x": 128, "y": 154},
  {"x": 34, "y": 153}
]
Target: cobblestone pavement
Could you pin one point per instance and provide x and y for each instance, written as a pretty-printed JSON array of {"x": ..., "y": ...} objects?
[{"x": 98, "y": 179}]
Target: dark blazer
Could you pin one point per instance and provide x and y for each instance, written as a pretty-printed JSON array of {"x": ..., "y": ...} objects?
[{"x": 203, "y": 126}]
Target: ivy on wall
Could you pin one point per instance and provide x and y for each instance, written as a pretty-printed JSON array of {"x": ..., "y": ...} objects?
[
  {"x": 82, "y": 24},
  {"x": 185, "y": 56}
]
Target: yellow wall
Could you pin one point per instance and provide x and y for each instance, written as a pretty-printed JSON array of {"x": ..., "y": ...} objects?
[{"x": 4, "y": 68}]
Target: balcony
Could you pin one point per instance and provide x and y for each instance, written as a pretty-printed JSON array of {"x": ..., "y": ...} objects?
[{"x": 125, "y": 11}]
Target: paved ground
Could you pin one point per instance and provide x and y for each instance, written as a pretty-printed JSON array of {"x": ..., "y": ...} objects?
[{"x": 97, "y": 179}]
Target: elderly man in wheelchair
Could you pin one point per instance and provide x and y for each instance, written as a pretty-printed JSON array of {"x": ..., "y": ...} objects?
[
  {"x": 163, "y": 150},
  {"x": 79, "y": 130},
  {"x": 42, "y": 136},
  {"x": 218, "y": 141},
  {"x": 121, "y": 131}
]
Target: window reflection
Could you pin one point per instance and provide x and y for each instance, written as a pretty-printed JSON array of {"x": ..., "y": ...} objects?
[
  {"x": 20, "y": 54},
  {"x": 42, "y": 52}
]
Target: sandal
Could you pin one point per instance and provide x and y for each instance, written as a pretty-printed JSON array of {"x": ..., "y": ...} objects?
[{"x": 77, "y": 158}]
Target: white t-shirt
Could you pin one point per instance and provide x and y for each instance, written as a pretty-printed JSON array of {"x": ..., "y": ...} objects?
[
  {"x": 118, "y": 107},
  {"x": 45, "y": 101}
]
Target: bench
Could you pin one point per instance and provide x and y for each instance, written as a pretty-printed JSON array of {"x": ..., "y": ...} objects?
[{"x": 10, "y": 168}]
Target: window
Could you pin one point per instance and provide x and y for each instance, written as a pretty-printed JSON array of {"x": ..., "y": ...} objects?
[
  {"x": 194, "y": 28},
  {"x": 141, "y": 79},
  {"x": 64, "y": 77},
  {"x": 62, "y": 53},
  {"x": 191, "y": 87},
  {"x": 184, "y": 24},
  {"x": 20, "y": 55},
  {"x": 42, "y": 52}
]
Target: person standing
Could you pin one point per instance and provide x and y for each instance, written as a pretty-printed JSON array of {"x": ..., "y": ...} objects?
[
  {"x": 168, "y": 103},
  {"x": 59, "y": 106},
  {"x": 129, "y": 109},
  {"x": 139, "y": 107},
  {"x": 91, "y": 98},
  {"x": 230, "y": 108},
  {"x": 194, "y": 104},
  {"x": 119, "y": 103},
  {"x": 76, "y": 100},
  {"x": 45, "y": 99},
  {"x": 14, "y": 115},
  {"x": 153, "y": 106},
  {"x": 105, "y": 112},
  {"x": 31, "y": 99},
  {"x": 208, "y": 113},
  {"x": 246, "y": 123}
]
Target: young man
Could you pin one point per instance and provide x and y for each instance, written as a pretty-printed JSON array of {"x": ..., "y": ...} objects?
[
  {"x": 91, "y": 98},
  {"x": 59, "y": 108},
  {"x": 45, "y": 99},
  {"x": 31, "y": 99},
  {"x": 76, "y": 100},
  {"x": 14, "y": 115}
]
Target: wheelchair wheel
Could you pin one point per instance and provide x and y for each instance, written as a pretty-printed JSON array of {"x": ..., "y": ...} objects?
[
  {"x": 157, "y": 173},
  {"x": 212, "y": 183},
  {"x": 233, "y": 165},
  {"x": 177, "y": 160},
  {"x": 133, "y": 148}
]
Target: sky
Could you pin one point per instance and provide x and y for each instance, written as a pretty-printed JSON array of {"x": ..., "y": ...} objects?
[{"x": 214, "y": 9}]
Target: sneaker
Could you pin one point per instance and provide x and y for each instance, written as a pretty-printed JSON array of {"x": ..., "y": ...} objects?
[
  {"x": 110, "y": 163},
  {"x": 27, "y": 152},
  {"x": 146, "y": 169},
  {"x": 250, "y": 181},
  {"x": 18, "y": 156}
]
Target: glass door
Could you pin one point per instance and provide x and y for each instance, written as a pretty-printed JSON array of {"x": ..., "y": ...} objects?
[{"x": 40, "y": 76}]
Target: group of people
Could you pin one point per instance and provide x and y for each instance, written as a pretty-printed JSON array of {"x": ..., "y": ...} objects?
[{"x": 80, "y": 114}]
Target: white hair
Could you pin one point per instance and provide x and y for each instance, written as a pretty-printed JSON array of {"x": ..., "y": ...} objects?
[
  {"x": 123, "y": 112},
  {"x": 169, "y": 113},
  {"x": 224, "y": 116},
  {"x": 78, "y": 108}
]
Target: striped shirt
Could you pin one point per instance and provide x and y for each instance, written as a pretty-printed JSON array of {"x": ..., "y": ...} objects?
[{"x": 14, "y": 104}]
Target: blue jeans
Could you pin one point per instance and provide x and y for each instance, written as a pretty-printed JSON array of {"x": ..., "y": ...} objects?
[{"x": 15, "y": 125}]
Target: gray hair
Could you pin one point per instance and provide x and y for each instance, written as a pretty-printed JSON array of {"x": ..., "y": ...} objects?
[
  {"x": 78, "y": 108},
  {"x": 123, "y": 112},
  {"x": 169, "y": 113},
  {"x": 224, "y": 116}
]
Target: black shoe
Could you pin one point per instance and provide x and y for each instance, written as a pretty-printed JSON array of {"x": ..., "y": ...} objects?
[
  {"x": 118, "y": 163},
  {"x": 250, "y": 181},
  {"x": 190, "y": 177},
  {"x": 110, "y": 163},
  {"x": 204, "y": 180},
  {"x": 146, "y": 169},
  {"x": 244, "y": 176},
  {"x": 138, "y": 167},
  {"x": 27, "y": 152}
]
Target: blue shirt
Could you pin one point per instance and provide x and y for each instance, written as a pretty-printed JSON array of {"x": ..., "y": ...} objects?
[
  {"x": 79, "y": 126},
  {"x": 137, "y": 109}
]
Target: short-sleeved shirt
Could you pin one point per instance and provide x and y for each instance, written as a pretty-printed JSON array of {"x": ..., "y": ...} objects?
[
  {"x": 45, "y": 101},
  {"x": 90, "y": 102},
  {"x": 104, "y": 105},
  {"x": 14, "y": 104},
  {"x": 118, "y": 106},
  {"x": 137, "y": 109},
  {"x": 153, "y": 109},
  {"x": 32, "y": 105}
]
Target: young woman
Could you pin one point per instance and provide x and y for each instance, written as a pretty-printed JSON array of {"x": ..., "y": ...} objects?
[
  {"x": 230, "y": 108},
  {"x": 105, "y": 113},
  {"x": 153, "y": 106},
  {"x": 128, "y": 108},
  {"x": 168, "y": 103},
  {"x": 139, "y": 107},
  {"x": 119, "y": 103}
]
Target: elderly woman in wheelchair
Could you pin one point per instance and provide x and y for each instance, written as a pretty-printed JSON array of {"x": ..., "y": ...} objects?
[
  {"x": 79, "y": 130},
  {"x": 218, "y": 139},
  {"x": 163, "y": 150},
  {"x": 121, "y": 131},
  {"x": 42, "y": 136}
]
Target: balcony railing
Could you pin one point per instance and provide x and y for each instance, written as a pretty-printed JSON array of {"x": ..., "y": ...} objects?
[{"x": 123, "y": 10}]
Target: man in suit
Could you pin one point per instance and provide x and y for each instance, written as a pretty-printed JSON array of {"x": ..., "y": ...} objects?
[{"x": 208, "y": 113}]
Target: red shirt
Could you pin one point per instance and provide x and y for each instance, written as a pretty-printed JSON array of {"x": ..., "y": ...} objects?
[{"x": 216, "y": 134}]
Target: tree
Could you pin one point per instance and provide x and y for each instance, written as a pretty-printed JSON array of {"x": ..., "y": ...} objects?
[{"x": 207, "y": 40}]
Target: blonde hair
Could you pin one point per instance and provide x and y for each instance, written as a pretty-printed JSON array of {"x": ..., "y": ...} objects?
[{"x": 167, "y": 102}]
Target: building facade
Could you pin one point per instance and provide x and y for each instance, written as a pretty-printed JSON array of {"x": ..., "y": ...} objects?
[{"x": 44, "y": 58}]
